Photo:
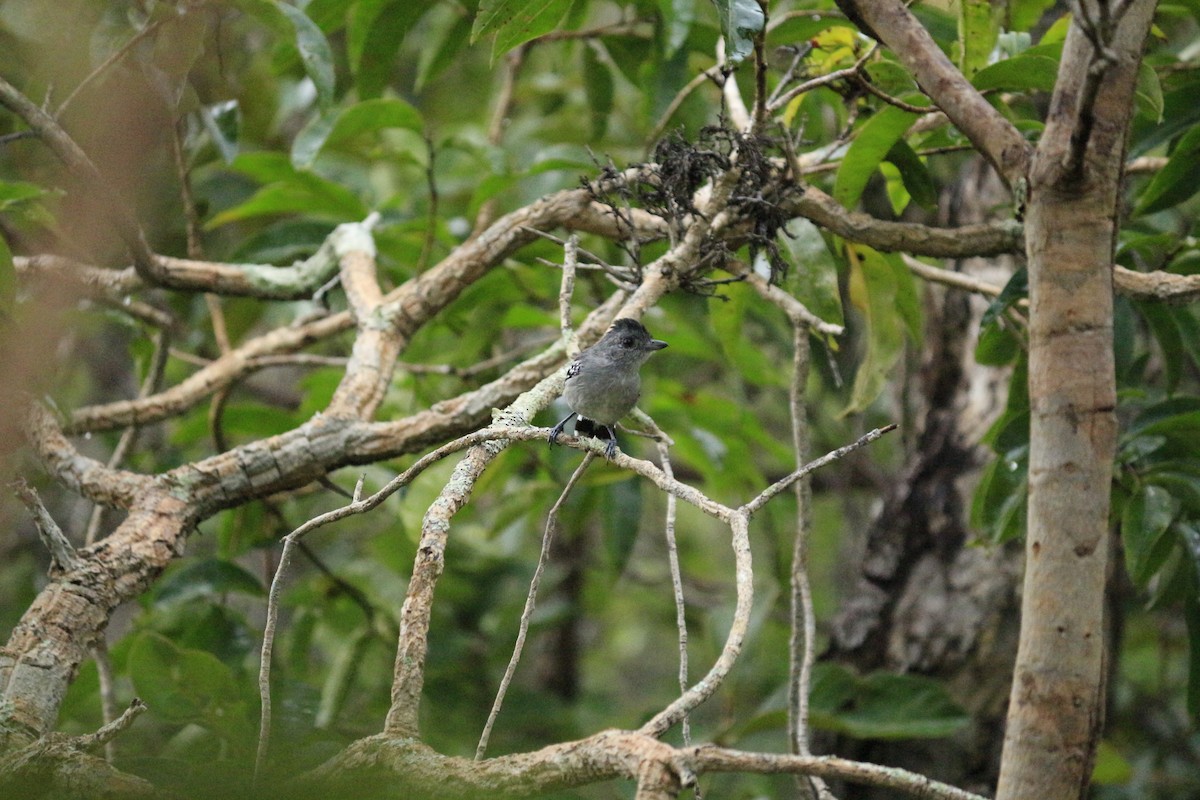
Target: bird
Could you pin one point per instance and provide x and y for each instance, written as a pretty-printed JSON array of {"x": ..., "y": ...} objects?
[{"x": 603, "y": 383}]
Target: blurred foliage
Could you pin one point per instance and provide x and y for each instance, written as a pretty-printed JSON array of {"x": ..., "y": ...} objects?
[{"x": 295, "y": 118}]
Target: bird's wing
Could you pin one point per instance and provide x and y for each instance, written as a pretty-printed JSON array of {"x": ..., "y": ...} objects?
[{"x": 573, "y": 370}]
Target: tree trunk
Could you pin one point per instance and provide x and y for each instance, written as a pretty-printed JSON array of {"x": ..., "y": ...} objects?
[{"x": 1056, "y": 705}]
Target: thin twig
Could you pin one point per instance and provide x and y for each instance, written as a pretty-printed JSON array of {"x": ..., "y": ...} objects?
[
  {"x": 431, "y": 224},
  {"x": 113, "y": 729},
  {"x": 802, "y": 642},
  {"x": 567, "y": 290},
  {"x": 823, "y": 80},
  {"x": 760, "y": 73},
  {"x": 108, "y": 693},
  {"x": 712, "y": 74},
  {"x": 530, "y": 604},
  {"x": 63, "y": 557},
  {"x": 812, "y": 466},
  {"x": 663, "y": 443}
]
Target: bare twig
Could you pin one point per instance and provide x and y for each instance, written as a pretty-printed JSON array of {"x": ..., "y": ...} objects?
[
  {"x": 530, "y": 604},
  {"x": 663, "y": 443},
  {"x": 570, "y": 262},
  {"x": 113, "y": 729},
  {"x": 708, "y": 758},
  {"x": 62, "y": 554},
  {"x": 712, "y": 74},
  {"x": 950, "y": 278},
  {"x": 822, "y": 80},
  {"x": 108, "y": 693},
  {"x": 802, "y": 641},
  {"x": 812, "y": 466}
]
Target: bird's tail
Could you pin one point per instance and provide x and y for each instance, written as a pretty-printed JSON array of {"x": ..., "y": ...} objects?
[{"x": 586, "y": 427}]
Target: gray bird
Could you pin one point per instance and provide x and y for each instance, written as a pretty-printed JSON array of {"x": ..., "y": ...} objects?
[{"x": 603, "y": 383}]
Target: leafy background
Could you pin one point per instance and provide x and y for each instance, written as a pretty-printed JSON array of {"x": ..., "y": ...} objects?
[{"x": 298, "y": 117}]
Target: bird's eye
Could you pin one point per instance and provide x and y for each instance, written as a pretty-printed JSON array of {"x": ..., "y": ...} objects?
[{"x": 627, "y": 343}]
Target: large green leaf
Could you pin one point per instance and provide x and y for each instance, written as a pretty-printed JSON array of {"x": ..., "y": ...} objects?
[
  {"x": 375, "y": 31},
  {"x": 179, "y": 684},
  {"x": 814, "y": 276},
  {"x": 369, "y": 116},
  {"x": 741, "y": 21},
  {"x": 446, "y": 34},
  {"x": 874, "y": 291},
  {"x": 677, "y": 16},
  {"x": 207, "y": 577},
  {"x": 315, "y": 53},
  {"x": 871, "y": 145},
  {"x": 598, "y": 82},
  {"x": 882, "y": 705},
  {"x": 1191, "y": 615},
  {"x": 978, "y": 27},
  {"x": 1150, "y": 101},
  {"x": 303, "y": 193},
  {"x": 1176, "y": 181},
  {"x": 915, "y": 176},
  {"x": 1146, "y": 517},
  {"x": 1022, "y": 73},
  {"x": 515, "y": 22},
  {"x": 288, "y": 21}
]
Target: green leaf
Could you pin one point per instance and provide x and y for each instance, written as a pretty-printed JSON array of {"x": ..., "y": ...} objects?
[
  {"x": 1146, "y": 517},
  {"x": 315, "y": 53},
  {"x": 1149, "y": 96},
  {"x": 1176, "y": 181},
  {"x": 874, "y": 292},
  {"x": 874, "y": 141},
  {"x": 369, "y": 116},
  {"x": 598, "y": 83},
  {"x": 517, "y": 21},
  {"x": 884, "y": 706},
  {"x": 814, "y": 276},
  {"x": 1017, "y": 288},
  {"x": 1191, "y": 615},
  {"x": 444, "y": 39},
  {"x": 891, "y": 78},
  {"x": 1166, "y": 331},
  {"x": 181, "y": 685},
  {"x": 621, "y": 512},
  {"x": 741, "y": 21},
  {"x": 375, "y": 31},
  {"x": 978, "y": 27},
  {"x": 914, "y": 174},
  {"x": 1112, "y": 769},
  {"x": 1023, "y": 73},
  {"x": 223, "y": 122},
  {"x": 897, "y": 193},
  {"x": 329, "y": 15},
  {"x": 206, "y": 577},
  {"x": 997, "y": 346},
  {"x": 1024, "y": 14},
  {"x": 908, "y": 302},
  {"x": 999, "y": 504},
  {"x": 303, "y": 193},
  {"x": 678, "y": 16}
]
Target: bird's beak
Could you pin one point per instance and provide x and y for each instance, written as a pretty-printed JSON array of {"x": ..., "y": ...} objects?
[{"x": 656, "y": 344}]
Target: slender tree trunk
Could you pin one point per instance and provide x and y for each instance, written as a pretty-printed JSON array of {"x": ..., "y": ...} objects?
[{"x": 1056, "y": 706}]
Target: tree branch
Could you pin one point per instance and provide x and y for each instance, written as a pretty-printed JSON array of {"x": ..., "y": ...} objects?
[{"x": 993, "y": 135}]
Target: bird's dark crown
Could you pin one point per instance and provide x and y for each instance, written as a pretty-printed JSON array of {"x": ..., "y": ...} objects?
[{"x": 627, "y": 325}]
